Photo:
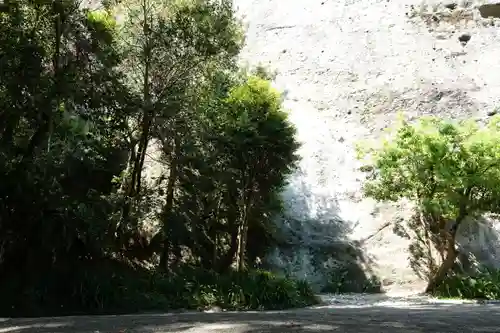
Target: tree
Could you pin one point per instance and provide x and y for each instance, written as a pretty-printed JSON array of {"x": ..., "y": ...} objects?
[
  {"x": 449, "y": 170},
  {"x": 257, "y": 150}
]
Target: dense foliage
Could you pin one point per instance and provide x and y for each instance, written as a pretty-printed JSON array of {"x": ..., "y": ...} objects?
[
  {"x": 107, "y": 286},
  {"x": 483, "y": 285},
  {"x": 90, "y": 106},
  {"x": 450, "y": 171}
]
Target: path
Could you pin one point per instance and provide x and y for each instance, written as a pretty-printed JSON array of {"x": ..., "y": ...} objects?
[{"x": 346, "y": 315}]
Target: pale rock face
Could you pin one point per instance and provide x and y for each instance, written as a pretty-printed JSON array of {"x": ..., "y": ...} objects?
[{"x": 347, "y": 67}]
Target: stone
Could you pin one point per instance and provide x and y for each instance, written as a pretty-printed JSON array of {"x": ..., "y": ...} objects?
[
  {"x": 464, "y": 39},
  {"x": 490, "y": 10},
  {"x": 450, "y": 5},
  {"x": 213, "y": 309}
]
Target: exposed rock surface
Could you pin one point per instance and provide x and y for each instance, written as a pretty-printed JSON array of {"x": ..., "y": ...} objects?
[{"x": 349, "y": 67}]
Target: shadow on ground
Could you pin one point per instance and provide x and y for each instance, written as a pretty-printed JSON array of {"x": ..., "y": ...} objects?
[
  {"x": 435, "y": 318},
  {"x": 314, "y": 244}
]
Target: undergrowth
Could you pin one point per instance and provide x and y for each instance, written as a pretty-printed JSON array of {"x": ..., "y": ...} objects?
[
  {"x": 349, "y": 281},
  {"x": 113, "y": 288},
  {"x": 482, "y": 285}
]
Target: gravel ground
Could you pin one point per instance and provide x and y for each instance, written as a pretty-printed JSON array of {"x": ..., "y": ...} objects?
[{"x": 356, "y": 314}]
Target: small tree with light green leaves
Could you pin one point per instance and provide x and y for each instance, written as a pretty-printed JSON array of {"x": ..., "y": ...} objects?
[{"x": 450, "y": 170}]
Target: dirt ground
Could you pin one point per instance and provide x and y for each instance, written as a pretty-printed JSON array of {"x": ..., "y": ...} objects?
[{"x": 429, "y": 318}]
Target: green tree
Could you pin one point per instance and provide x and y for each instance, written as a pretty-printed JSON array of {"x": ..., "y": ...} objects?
[
  {"x": 262, "y": 149},
  {"x": 450, "y": 170}
]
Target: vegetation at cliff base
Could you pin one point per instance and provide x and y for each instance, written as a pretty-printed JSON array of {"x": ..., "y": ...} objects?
[
  {"x": 481, "y": 285},
  {"x": 140, "y": 167},
  {"x": 450, "y": 171}
]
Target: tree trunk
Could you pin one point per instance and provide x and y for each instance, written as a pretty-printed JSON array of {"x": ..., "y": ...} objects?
[
  {"x": 228, "y": 258},
  {"x": 141, "y": 151},
  {"x": 165, "y": 254},
  {"x": 116, "y": 230},
  {"x": 215, "y": 251},
  {"x": 169, "y": 202},
  {"x": 246, "y": 203},
  {"x": 177, "y": 253},
  {"x": 451, "y": 250},
  {"x": 242, "y": 238},
  {"x": 451, "y": 255}
]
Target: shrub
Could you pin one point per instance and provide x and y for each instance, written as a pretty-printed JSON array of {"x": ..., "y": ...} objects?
[
  {"x": 483, "y": 285},
  {"x": 113, "y": 287},
  {"x": 255, "y": 290},
  {"x": 351, "y": 280}
]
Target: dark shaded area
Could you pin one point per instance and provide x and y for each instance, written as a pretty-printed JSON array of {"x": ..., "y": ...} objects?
[
  {"x": 337, "y": 263},
  {"x": 435, "y": 318},
  {"x": 490, "y": 10},
  {"x": 113, "y": 288}
]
